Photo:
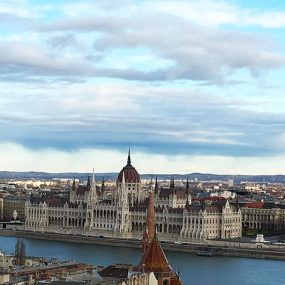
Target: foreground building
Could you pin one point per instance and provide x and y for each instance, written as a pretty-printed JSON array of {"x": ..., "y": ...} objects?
[
  {"x": 89, "y": 211},
  {"x": 154, "y": 259}
]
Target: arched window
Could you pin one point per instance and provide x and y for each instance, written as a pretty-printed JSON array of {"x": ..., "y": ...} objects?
[{"x": 165, "y": 282}]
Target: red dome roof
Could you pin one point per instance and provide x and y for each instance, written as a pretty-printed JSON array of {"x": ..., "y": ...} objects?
[{"x": 131, "y": 175}]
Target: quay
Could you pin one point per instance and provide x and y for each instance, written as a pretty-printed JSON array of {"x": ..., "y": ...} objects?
[{"x": 217, "y": 248}]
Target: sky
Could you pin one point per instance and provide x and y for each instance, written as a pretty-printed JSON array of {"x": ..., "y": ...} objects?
[{"x": 191, "y": 86}]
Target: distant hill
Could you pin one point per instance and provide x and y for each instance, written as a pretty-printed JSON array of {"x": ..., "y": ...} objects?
[{"x": 113, "y": 176}]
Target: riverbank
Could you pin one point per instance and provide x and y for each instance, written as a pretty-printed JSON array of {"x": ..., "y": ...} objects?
[{"x": 224, "y": 249}]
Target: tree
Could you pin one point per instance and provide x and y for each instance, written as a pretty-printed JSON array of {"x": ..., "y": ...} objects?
[{"x": 20, "y": 252}]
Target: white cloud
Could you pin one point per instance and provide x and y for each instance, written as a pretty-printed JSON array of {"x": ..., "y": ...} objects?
[{"x": 61, "y": 83}]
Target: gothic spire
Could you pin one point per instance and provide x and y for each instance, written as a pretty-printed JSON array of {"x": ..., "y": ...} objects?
[
  {"x": 156, "y": 186},
  {"x": 187, "y": 187},
  {"x": 237, "y": 203},
  {"x": 129, "y": 156},
  {"x": 150, "y": 218},
  {"x": 93, "y": 179},
  {"x": 187, "y": 202},
  {"x": 172, "y": 186},
  {"x": 73, "y": 185},
  {"x": 103, "y": 185},
  {"x": 171, "y": 183},
  {"x": 88, "y": 183}
]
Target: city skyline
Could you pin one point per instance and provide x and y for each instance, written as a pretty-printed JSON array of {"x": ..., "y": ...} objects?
[{"x": 192, "y": 86}]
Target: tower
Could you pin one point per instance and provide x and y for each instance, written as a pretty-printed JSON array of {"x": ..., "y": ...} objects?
[
  {"x": 132, "y": 180},
  {"x": 123, "y": 214},
  {"x": 150, "y": 223},
  {"x": 172, "y": 186},
  {"x": 154, "y": 259},
  {"x": 93, "y": 197},
  {"x": 173, "y": 196},
  {"x": 188, "y": 195}
]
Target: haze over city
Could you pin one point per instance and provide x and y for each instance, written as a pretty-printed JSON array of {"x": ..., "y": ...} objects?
[{"x": 192, "y": 86}]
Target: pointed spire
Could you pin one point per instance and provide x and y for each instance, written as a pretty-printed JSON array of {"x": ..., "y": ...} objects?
[
  {"x": 172, "y": 186},
  {"x": 129, "y": 156},
  {"x": 93, "y": 179},
  {"x": 172, "y": 183},
  {"x": 88, "y": 183},
  {"x": 237, "y": 203},
  {"x": 154, "y": 259},
  {"x": 149, "y": 232},
  {"x": 103, "y": 185},
  {"x": 150, "y": 218},
  {"x": 187, "y": 202},
  {"x": 156, "y": 186},
  {"x": 187, "y": 187},
  {"x": 187, "y": 194},
  {"x": 73, "y": 185}
]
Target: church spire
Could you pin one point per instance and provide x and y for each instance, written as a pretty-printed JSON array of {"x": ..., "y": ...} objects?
[{"x": 129, "y": 156}]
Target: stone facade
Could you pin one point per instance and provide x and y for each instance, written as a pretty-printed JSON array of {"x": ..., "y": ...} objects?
[
  {"x": 141, "y": 279},
  {"x": 1, "y": 208},
  {"x": 124, "y": 214},
  {"x": 265, "y": 218},
  {"x": 11, "y": 204}
]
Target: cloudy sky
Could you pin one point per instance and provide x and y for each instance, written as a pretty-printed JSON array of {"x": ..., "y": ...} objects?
[{"x": 192, "y": 86}]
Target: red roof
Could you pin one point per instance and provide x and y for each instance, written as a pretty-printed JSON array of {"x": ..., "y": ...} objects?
[
  {"x": 175, "y": 280},
  {"x": 256, "y": 205},
  {"x": 131, "y": 175},
  {"x": 154, "y": 260}
]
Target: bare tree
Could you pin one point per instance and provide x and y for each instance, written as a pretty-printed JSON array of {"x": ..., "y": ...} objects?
[{"x": 20, "y": 252}]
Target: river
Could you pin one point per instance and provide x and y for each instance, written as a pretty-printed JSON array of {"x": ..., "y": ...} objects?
[{"x": 194, "y": 269}]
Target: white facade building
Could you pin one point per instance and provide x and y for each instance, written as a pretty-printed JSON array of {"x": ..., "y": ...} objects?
[{"x": 124, "y": 214}]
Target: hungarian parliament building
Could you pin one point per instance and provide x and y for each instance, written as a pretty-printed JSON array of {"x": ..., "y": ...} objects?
[{"x": 122, "y": 214}]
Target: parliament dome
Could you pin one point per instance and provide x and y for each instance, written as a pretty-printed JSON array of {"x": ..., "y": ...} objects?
[{"x": 130, "y": 173}]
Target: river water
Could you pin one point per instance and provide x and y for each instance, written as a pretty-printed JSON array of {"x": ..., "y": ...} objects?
[{"x": 195, "y": 270}]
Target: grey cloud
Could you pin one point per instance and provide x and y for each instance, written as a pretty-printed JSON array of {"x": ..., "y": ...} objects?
[
  {"x": 63, "y": 41},
  {"x": 16, "y": 21},
  {"x": 195, "y": 123},
  {"x": 94, "y": 23},
  {"x": 28, "y": 63},
  {"x": 197, "y": 53}
]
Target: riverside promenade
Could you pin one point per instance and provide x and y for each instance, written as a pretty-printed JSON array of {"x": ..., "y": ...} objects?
[{"x": 211, "y": 248}]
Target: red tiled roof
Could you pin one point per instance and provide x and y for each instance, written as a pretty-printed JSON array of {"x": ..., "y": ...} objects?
[
  {"x": 154, "y": 260},
  {"x": 131, "y": 175},
  {"x": 175, "y": 280},
  {"x": 256, "y": 205}
]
